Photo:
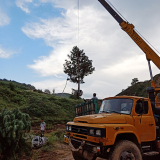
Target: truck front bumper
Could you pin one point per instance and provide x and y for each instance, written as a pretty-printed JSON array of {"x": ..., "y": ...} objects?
[
  {"x": 83, "y": 148},
  {"x": 77, "y": 145}
]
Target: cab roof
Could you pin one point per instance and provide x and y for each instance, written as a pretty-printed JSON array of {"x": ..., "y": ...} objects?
[{"x": 125, "y": 96}]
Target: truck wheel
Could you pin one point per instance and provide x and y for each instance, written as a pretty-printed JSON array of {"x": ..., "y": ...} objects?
[
  {"x": 78, "y": 157},
  {"x": 125, "y": 150}
]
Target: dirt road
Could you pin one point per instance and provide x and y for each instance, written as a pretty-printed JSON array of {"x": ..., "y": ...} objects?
[
  {"x": 63, "y": 152},
  {"x": 69, "y": 157}
]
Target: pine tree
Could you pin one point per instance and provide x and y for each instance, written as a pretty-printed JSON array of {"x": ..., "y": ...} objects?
[
  {"x": 78, "y": 66},
  {"x": 13, "y": 125},
  {"x": 134, "y": 81}
]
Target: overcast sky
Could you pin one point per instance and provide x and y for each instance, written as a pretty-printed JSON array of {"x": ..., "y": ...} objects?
[{"x": 37, "y": 35}]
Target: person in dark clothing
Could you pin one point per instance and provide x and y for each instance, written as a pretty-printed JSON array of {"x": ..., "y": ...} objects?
[
  {"x": 94, "y": 96},
  {"x": 94, "y": 101}
]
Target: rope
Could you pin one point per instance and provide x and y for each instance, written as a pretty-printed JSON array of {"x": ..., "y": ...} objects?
[{"x": 72, "y": 147}]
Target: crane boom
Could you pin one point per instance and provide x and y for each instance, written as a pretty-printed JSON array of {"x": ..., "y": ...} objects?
[
  {"x": 129, "y": 29},
  {"x": 111, "y": 11}
]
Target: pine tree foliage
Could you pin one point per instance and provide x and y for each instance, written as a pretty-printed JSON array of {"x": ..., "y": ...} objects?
[
  {"x": 13, "y": 125},
  {"x": 71, "y": 68},
  {"x": 134, "y": 81}
]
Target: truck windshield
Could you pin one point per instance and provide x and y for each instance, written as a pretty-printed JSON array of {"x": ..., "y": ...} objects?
[{"x": 122, "y": 106}]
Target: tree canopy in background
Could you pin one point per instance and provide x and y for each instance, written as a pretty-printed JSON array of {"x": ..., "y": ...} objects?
[
  {"x": 47, "y": 91},
  {"x": 78, "y": 66},
  {"x": 134, "y": 81}
]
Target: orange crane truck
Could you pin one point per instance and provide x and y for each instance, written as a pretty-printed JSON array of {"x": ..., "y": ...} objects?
[{"x": 126, "y": 127}]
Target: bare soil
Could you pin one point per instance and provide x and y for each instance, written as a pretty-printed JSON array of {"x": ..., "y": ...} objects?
[{"x": 62, "y": 151}]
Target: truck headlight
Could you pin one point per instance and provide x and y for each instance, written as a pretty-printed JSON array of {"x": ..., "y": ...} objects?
[
  {"x": 98, "y": 132},
  {"x": 67, "y": 128},
  {"x": 70, "y": 128},
  {"x": 91, "y": 131}
]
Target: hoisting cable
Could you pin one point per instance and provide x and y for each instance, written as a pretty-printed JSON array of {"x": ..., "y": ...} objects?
[
  {"x": 65, "y": 86},
  {"x": 147, "y": 41},
  {"x": 77, "y": 40},
  {"x": 78, "y": 23}
]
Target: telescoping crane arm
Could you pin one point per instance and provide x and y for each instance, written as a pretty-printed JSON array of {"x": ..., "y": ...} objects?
[{"x": 129, "y": 29}]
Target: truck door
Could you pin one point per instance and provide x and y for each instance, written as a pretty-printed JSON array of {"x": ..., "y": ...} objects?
[{"x": 144, "y": 121}]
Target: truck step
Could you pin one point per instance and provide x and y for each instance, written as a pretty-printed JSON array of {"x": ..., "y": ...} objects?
[
  {"x": 152, "y": 153},
  {"x": 146, "y": 148}
]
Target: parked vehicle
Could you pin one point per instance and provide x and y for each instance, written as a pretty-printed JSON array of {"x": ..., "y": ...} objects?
[{"x": 126, "y": 127}]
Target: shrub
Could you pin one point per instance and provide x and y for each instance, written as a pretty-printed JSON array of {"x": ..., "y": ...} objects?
[
  {"x": 60, "y": 134},
  {"x": 73, "y": 96},
  {"x": 12, "y": 86},
  {"x": 52, "y": 139},
  {"x": 13, "y": 125},
  {"x": 25, "y": 148}
]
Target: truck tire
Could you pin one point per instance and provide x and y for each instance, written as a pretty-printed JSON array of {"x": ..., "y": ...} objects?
[
  {"x": 125, "y": 150},
  {"x": 78, "y": 157}
]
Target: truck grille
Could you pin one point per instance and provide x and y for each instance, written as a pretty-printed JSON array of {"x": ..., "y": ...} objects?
[
  {"x": 80, "y": 130},
  {"x": 80, "y": 136}
]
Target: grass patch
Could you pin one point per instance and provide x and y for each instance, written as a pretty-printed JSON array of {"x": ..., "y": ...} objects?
[
  {"x": 52, "y": 139},
  {"x": 60, "y": 134},
  {"x": 47, "y": 148}
]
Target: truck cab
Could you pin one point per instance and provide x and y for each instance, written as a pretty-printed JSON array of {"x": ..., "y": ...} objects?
[{"x": 125, "y": 125}]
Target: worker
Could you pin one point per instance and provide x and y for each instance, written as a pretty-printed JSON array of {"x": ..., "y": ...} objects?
[
  {"x": 43, "y": 127},
  {"x": 94, "y": 99},
  {"x": 94, "y": 96}
]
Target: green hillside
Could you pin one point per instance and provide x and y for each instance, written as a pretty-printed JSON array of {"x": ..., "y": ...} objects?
[
  {"x": 52, "y": 108},
  {"x": 37, "y": 104},
  {"x": 139, "y": 89}
]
